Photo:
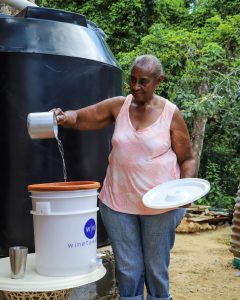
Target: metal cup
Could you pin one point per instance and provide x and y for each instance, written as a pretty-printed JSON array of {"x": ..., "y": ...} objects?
[
  {"x": 42, "y": 125},
  {"x": 18, "y": 258}
]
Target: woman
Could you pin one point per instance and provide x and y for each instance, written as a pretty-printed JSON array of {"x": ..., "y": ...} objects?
[{"x": 150, "y": 146}]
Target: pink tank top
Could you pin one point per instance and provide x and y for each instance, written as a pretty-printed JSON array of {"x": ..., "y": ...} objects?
[{"x": 139, "y": 160}]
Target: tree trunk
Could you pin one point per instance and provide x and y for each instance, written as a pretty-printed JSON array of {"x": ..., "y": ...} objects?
[
  {"x": 238, "y": 192},
  {"x": 199, "y": 125},
  {"x": 198, "y": 137},
  {"x": 235, "y": 235}
]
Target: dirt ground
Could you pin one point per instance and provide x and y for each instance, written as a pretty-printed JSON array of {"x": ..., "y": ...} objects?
[{"x": 201, "y": 266}]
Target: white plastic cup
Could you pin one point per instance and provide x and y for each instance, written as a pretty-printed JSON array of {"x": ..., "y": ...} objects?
[
  {"x": 42, "y": 125},
  {"x": 18, "y": 259}
]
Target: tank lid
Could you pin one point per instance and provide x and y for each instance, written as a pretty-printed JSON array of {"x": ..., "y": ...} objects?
[
  {"x": 64, "y": 186},
  {"x": 53, "y": 15}
]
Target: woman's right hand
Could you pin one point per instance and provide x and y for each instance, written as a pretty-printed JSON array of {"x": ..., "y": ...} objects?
[
  {"x": 67, "y": 119},
  {"x": 60, "y": 116}
]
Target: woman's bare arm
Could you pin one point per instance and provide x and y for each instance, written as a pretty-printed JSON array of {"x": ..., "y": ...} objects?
[
  {"x": 92, "y": 117},
  {"x": 182, "y": 146}
]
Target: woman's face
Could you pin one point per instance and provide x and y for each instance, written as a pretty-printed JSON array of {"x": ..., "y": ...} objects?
[{"x": 143, "y": 83}]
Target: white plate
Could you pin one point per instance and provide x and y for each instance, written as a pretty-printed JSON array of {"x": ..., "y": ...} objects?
[{"x": 176, "y": 193}]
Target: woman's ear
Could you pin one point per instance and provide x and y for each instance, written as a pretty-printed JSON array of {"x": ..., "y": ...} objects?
[{"x": 161, "y": 78}]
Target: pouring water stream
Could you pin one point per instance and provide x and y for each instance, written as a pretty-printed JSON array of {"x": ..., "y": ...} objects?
[{"x": 60, "y": 147}]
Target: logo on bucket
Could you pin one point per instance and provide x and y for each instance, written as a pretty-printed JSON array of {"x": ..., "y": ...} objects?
[{"x": 90, "y": 228}]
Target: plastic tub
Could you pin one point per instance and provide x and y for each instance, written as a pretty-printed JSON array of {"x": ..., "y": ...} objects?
[{"x": 65, "y": 227}]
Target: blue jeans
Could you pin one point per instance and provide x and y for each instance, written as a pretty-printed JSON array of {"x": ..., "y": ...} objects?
[{"x": 141, "y": 246}]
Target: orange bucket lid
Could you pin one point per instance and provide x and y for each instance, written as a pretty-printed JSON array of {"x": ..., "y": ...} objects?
[{"x": 64, "y": 186}]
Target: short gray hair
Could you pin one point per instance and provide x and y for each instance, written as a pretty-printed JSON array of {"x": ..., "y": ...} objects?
[{"x": 148, "y": 59}]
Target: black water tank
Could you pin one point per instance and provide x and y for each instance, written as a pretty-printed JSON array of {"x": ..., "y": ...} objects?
[{"x": 49, "y": 58}]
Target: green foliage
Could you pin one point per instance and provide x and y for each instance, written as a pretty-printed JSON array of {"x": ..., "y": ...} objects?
[
  {"x": 201, "y": 10},
  {"x": 217, "y": 196},
  {"x": 171, "y": 11}
]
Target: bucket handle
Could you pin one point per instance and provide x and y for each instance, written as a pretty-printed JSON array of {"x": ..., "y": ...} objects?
[{"x": 71, "y": 213}]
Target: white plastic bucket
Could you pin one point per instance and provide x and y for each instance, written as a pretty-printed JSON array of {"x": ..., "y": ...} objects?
[{"x": 65, "y": 227}]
